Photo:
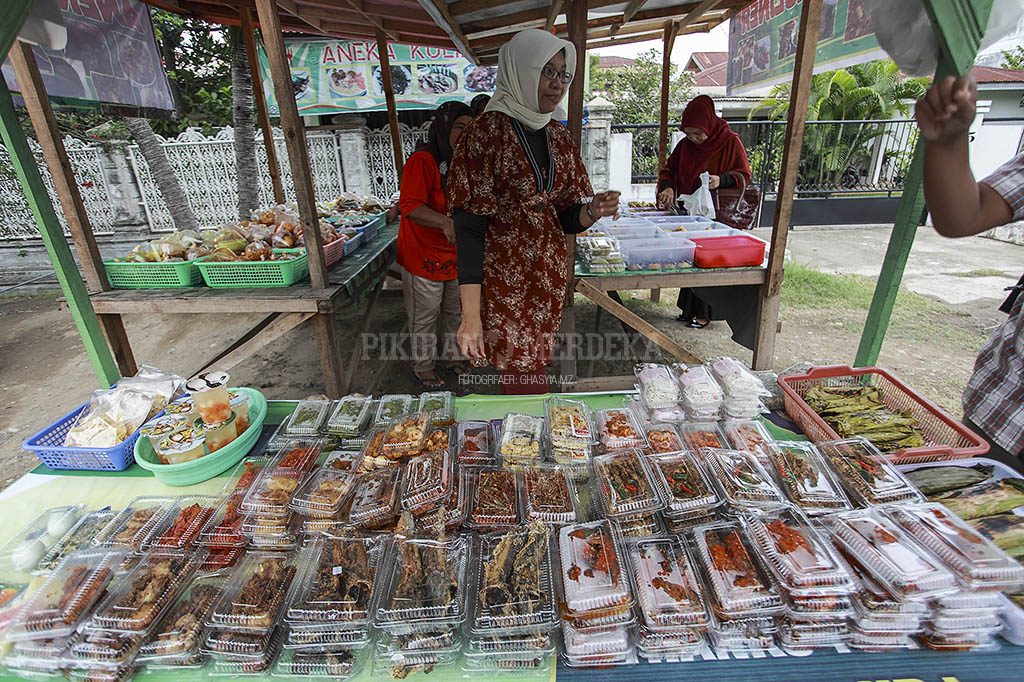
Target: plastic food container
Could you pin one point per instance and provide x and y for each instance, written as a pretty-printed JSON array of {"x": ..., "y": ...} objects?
[
  {"x": 224, "y": 527},
  {"x": 240, "y": 407},
  {"x": 184, "y": 407},
  {"x": 521, "y": 438},
  {"x": 210, "y": 397},
  {"x": 181, "y": 525},
  {"x": 272, "y": 492},
  {"x": 182, "y": 446},
  {"x": 220, "y": 435},
  {"x": 808, "y": 482},
  {"x": 667, "y": 589},
  {"x": 743, "y": 480},
  {"x": 406, "y": 435},
  {"x": 699, "y": 436},
  {"x": 592, "y": 568},
  {"x": 134, "y": 524},
  {"x": 427, "y": 481},
  {"x": 161, "y": 427},
  {"x": 30, "y": 545},
  {"x": 338, "y": 586},
  {"x": 350, "y": 417},
  {"x": 663, "y": 438},
  {"x": 630, "y": 233},
  {"x": 549, "y": 495},
  {"x": 658, "y": 387},
  {"x": 493, "y": 497},
  {"x": 568, "y": 422},
  {"x": 65, "y": 598},
  {"x": 343, "y": 461},
  {"x": 798, "y": 556},
  {"x": 309, "y": 417},
  {"x": 244, "y": 474},
  {"x": 391, "y": 407},
  {"x": 271, "y": 532},
  {"x": 178, "y": 633},
  {"x": 254, "y": 595},
  {"x": 701, "y": 395},
  {"x": 81, "y": 536},
  {"x": 219, "y": 560},
  {"x": 475, "y": 443},
  {"x": 298, "y": 454},
  {"x": 625, "y": 485},
  {"x": 103, "y": 650},
  {"x": 331, "y": 665},
  {"x": 750, "y": 435},
  {"x": 438, "y": 439},
  {"x": 375, "y": 497},
  {"x": 512, "y": 588},
  {"x": 664, "y": 253},
  {"x": 426, "y": 585},
  {"x": 439, "y": 405},
  {"x": 619, "y": 430},
  {"x": 685, "y": 484},
  {"x": 322, "y": 494},
  {"x": 740, "y": 587},
  {"x": 866, "y": 475},
  {"x": 738, "y": 251}
]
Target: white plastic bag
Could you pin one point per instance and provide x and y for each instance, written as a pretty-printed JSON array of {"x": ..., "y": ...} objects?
[{"x": 700, "y": 202}]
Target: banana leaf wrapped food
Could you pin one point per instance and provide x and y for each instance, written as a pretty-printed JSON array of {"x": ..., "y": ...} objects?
[
  {"x": 934, "y": 480},
  {"x": 984, "y": 499},
  {"x": 1005, "y": 530},
  {"x": 859, "y": 411}
]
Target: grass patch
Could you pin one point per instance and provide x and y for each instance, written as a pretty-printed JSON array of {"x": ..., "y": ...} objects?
[{"x": 980, "y": 272}]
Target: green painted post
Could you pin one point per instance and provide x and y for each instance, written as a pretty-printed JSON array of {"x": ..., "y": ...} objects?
[
  {"x": 56, "y": 245},
  {"x": 959, "y": 25},
  {"x": 12, "y": 15}
]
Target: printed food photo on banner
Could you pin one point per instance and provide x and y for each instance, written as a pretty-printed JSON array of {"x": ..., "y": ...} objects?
[
  {"x": 787, "y": 38},
  {"x": 480, "y": 78},
  {"x": 437, "y": 79},
  {"x": 401, "y": 77},
  {"x": 858, "y": 21},
  {"x": 300, "y": 84},
  {"x": 347, "y": 82}
]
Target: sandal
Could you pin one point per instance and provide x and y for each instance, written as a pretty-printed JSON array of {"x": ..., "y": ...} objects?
[
  {"x": 429, "y": 382},
  {"x": 457, "y": 368},
  {"x": 696, "y": 324},
  {"x": 684, "y": 318}
]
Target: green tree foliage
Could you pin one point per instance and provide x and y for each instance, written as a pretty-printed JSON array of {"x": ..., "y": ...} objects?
[
  {"x": 1014, "y": 59},
  {"x": 635, "y": 90}
]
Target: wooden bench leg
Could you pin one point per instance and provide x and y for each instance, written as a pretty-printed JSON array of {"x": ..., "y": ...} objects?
[
  {"x": 330, "y": 354},
  {"x": 117, "y": 339},
  {"x": 364, "y": 326},
  {"x": 655, "y": 295}
]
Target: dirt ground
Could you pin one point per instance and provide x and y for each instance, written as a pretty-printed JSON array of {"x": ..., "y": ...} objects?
[{"x": 932, "y": 343}]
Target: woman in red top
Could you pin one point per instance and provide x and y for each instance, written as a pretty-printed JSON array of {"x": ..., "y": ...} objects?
[
  {"x": 710, "y": 146},
  {"x": 426, "y": 242}
]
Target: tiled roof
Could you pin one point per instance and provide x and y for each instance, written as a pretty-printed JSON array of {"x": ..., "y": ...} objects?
[{"x": 613, "y": 62}]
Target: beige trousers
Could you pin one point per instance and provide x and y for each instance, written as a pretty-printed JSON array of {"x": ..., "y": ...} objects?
[{"x": 425, "y": 302}]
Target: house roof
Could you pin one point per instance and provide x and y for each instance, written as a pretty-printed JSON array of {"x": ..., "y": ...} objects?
[
  {"x": 702, "y": 61},
  {"x": 712, "y": 77},
  {"x": 612, "y": 62},
  {"x": 991, "y": 74}
]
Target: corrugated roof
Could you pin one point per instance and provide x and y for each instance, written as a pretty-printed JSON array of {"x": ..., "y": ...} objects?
[
  {"x": 714, "y": 76},
  {"x": 991, "y": 74},
  {"x": 612, "y": 62},
  {"x": 707, "y": 60}
]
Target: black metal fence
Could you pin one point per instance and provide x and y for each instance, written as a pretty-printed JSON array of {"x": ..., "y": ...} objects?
[{"x": 838, "y": 157}]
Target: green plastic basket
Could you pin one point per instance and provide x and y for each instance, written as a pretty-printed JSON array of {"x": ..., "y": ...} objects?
[
  {"x": 171, "y": 275},
  {"x": 255, "y": 274},
  {"x": 205, "y": 468}
]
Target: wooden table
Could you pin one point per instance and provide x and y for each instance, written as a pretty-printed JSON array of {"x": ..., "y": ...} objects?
[{"x": 353, "y": 281}]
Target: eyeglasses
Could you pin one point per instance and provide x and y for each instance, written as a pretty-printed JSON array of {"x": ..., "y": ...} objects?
[{"x": 552, "y": 75}]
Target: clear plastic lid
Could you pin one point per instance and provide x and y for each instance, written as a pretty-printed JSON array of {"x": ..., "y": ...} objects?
[
  {"x": 350, "y": 416},
  {"x": 40, "y": 655},
  {"x": 253, "y": 597},
  {"x": 271, "y": 532},
  {"x": 494, "y": 497},
  {"x": 338, "y": 585},
  {"x": 29, "y": 546},
  {"x": 308, "y": 417},
  {"x": 103, "y": 649},
  {"x": 739, "y": 585},
  {"x": 297, "y": 454},
  {"x": 796, "y": 553},
  {"x": 375, "y": 497},
  {"x": 976, "y": 561},
  {"x": 220, "y": 560},
  {"x": 427, "y": 581},
  {"x": 685, "y": 484},
  {"x": 507, "y": 643},
  {"x": 968, "y": 601},
  {"x": 743, "y": 480},
  {"x": 181, "y": 526},
  {"x": 749, "y": 435},
  {"x": 895, "y": 561},
  {"x": 344, "y": 461},
  {"x": 81, "y": 536},
  {"x": 139, "y": 598},
  {"x": 427, "y": 481},
  {"x": 134, "y": 524},
  {"x": 643, "y": 526},
  {"x": 439, "y": 405},
  {"x": 865, "y": 473},
  {"x": 237, "y": 646},
  {"x": 663, "y": 438},
  {"x": 549, "y": 495},
  {"x": 666, "y": 586},
  {"x": 619, "y": 429},
  {"x": 323, "y": 493},
  {"x": 272, "y": 492},
  {"x": 568, "y": 421},
  {"x": 700, "y": 436},
  {"x": 333, "y": 665},
  {"x": 735, "y": 379},
  {"x": 325, "y": 637},
  {"x": 437, "y": 439},
  {"x": 625, "y": 485},
  {"x": 805, "y": 478},
  {"x": 178, "y": 632},
  {"x": 521, "y": 437},
  {"x": 373, "y": 452},
  {"x": 606, "y": 641},
  {"x": 244, "y": 475},
  {"x": 700, "y": 392},
  {"x": 392, "y": 406},
  {"x": 476, "y": 444},
  {"x": 456, "y": 505},
  {"x": 245, "y": 666},
  {"x": 432, "y": 639},
  {"x": 224, "y": 527},
  {"x": 591, "y": 567},
  {"x": 406, "y": 435},
  {"x": 513, "y": 580},
  {"x": 958, "y": 624},
  {"x": 658, "y": 387},
  {"x": 65, "y": 598}
]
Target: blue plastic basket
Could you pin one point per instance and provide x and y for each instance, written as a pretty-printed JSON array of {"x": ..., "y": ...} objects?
[
  {"x": 371, "y": 228},
  {"x": 353, "y": 243},
  {"x": 48, "y": 446}
]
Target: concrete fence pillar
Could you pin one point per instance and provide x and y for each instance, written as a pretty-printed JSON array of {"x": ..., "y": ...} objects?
[
  {"x": 354, "y": 154},
  {"x": 597, "y": 152}
]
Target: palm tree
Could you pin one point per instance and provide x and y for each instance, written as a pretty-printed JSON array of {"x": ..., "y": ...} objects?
[
  {"x": 246, "y": 170},
  {"x": 167, "y": 182}
]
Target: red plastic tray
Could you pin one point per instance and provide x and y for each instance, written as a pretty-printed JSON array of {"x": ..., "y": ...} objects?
[
  {"x": 739, "y": 251},
  {"x": 945, "y": 437}
]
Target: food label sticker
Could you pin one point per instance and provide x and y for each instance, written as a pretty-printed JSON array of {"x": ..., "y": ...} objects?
[{"x": 337, "y": 570}]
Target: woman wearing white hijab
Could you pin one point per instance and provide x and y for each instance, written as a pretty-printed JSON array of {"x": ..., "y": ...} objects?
[{"x": 517, "y": 186}]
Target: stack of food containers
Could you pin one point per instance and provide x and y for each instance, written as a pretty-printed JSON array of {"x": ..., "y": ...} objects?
[
  {"x": 618, "y": 429},
  {"x": 868, "y": 478},
  {"x": 269, "y": 522},
  {"x": 548, "y": 495},
  {"x": 349, "y": 417},
  {"x": 600, "y": 254},
  {"x": 512, "y": 611},
  {"x": 570, "y": 431},
  {"x": 521, "y": 439},
  {"x": 663, "y": 437},
  {"x": 745, "y": 484},
  {"x": 743, "y": 391},
  {"x": 309, "y": 416},
  {"x": 658, "y": 387},
  {"x": 174, "y": 643},
  {"x": 806, "y": 479},
  {"x": 691, "y": 499},
  {"x": 702, "y": 397},
  {"x": 596, "y": 600},
  {"x": 627, "y": 492},
  {"x": 222, "y": 533},
  {"x": 968, "y": 618},
  {"x": 375, "y": 499},
  {"x": 673, "y": 615}
]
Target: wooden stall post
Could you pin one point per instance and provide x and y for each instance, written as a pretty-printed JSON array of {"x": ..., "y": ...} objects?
[
  {"x": 389, "y": 97},
  {"x": 33, "y": 92},
  {"x": 305, "y": 197},
  {"x": 260, "y": 97},
  {"x": 53, "y": 238},
  {"x": 768, "y": 305},
  {"x": 666, "y": 67}
]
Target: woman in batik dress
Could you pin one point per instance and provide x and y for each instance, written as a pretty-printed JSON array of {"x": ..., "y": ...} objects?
[{"x": 516, "y": 187}]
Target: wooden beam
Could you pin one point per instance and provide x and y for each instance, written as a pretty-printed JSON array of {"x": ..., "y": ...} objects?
[
  {"x": 631, "y": 9},
  {"x": 578, "y": 37},
  {"x": 295, "y": 140},
  {"x": 697, "y": 13},
  {"x": 260, "y": 97},
  {"x": 357, "y": 7},
  {"x": 553, "y": 12},
  {"x": 648, "y": 330},
  {"x": 803, "y": 68},
  {"x": 692, "y": 278},
  {"x": 626, "y": 382},
  {"x": 389, "y": 96},
  {"x": 627, "y": 40},
  {"x": 330, "y": 354},
  {"x": 64, "y": 266},
  {"x": 442, "y": 16},
  {"x": 537, "y": 14},
  {"x": 364, "y": 326},
  {"x": 269, "y": 329},
  {"x": 666, "y": 79}
]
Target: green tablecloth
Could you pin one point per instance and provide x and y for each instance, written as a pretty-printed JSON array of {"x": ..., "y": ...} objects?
[{"x": 42, "y": 489}]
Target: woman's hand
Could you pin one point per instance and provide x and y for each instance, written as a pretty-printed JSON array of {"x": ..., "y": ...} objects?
[
  {"x": 714, "y": 181},
  {"x": 605, "y": 204},
  {"x": 666, "y": 198},
  {"x": 947, "y": 109},
  {"x": 470, "y": 337}
]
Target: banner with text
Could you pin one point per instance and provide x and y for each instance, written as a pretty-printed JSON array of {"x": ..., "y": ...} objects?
[
  {"x": 763, "y": 41},
  {"x": 338, "y": 76}
]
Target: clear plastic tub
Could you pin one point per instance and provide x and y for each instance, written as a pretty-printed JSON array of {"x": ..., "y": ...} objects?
[
  {"x": 182, "y": 524},
  {"x": 135, "y": 523},
  {"x": 700, "y": 436},
  {"x": 645, "y": 526},
  {"x": 224, "y": 527},
  {"x": 37, "y": 655},
  {"x": 426, "y": 585},
  {"x": 968, "y": 601},
  {"x": 749, "y": 435},
  {"x": 338, "y": 586},
  {"x": 605, "y": 642},
  {"x": 333, "y": 665},
  {"x": 520, "y": 439},
  {"x": 220, "y": 560},
  {"x": 808, "y": 482},
  {"x": 246, "y": 666},
  {"x": 440, "y": 405},
  {"x": 536, "y": 641},
  {"x": 344, "y": 461},
  {"x": 427, "y": 481},
  {"x": 666, "y": 586},
  {"x": 493, "y": 497},
  {"x": 894, "y": 560},
  {"x": 29, "y": 546},
  {"x": 392, "y": 406},
  {"x": 103, "y": 650},
  {"x": 512, "y": 585},
  {"x": 475, "y": 443},
  {"x": 686, "y": 485},
  {"x": 65, "y": 598},
  {"x": 664, "y": 253},
  {"x": 625, "y": 485},
  {"x": 297, "y": 454},
  {"x": 309, "y": 417},
  {"x": 866, "y": 475},
  {"x": 244, "y": 475},
  {"x": 325, "y": 637},
  {"x": 743, "y": 480},
  {"x": 350, "y": 416},
  {"x": 977, "y": 563},
  {"x": 405, "y": 435},
  {"x": 81, "y": 536},
  {"x": 178, "y": 633},
  {"x": 438, "y": 439},
  {"x": 619, "y": 429},
  {"x": 138, "y": 599},
  {"x": 375, "y": 497},
  {"x": 507, "y": 663},
  {"x": 800, "y": 557},
  {"x": 632, "y": 232},
  {"x": 955, "y": 624},
  {"x": 272, "y": 492},
  {"x": 663, "y": 438},
  {"x": 271, "y": 532},
  {"x": 658, "y": 387},
  {"x": 592, "y": 567},
  {"x": 739, "y": 586},
  {"x": 373, "y": 452},
  {"x": 549, "y": 495},
  {"x": 568, "y": 422},
  {"x": 322, "y": 494},
  {"x": 254, "y": 595},
  {"x": 701, "y": 395}
]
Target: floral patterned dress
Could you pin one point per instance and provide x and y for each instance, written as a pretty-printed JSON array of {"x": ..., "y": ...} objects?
[{"x": 493, "y": 174}]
